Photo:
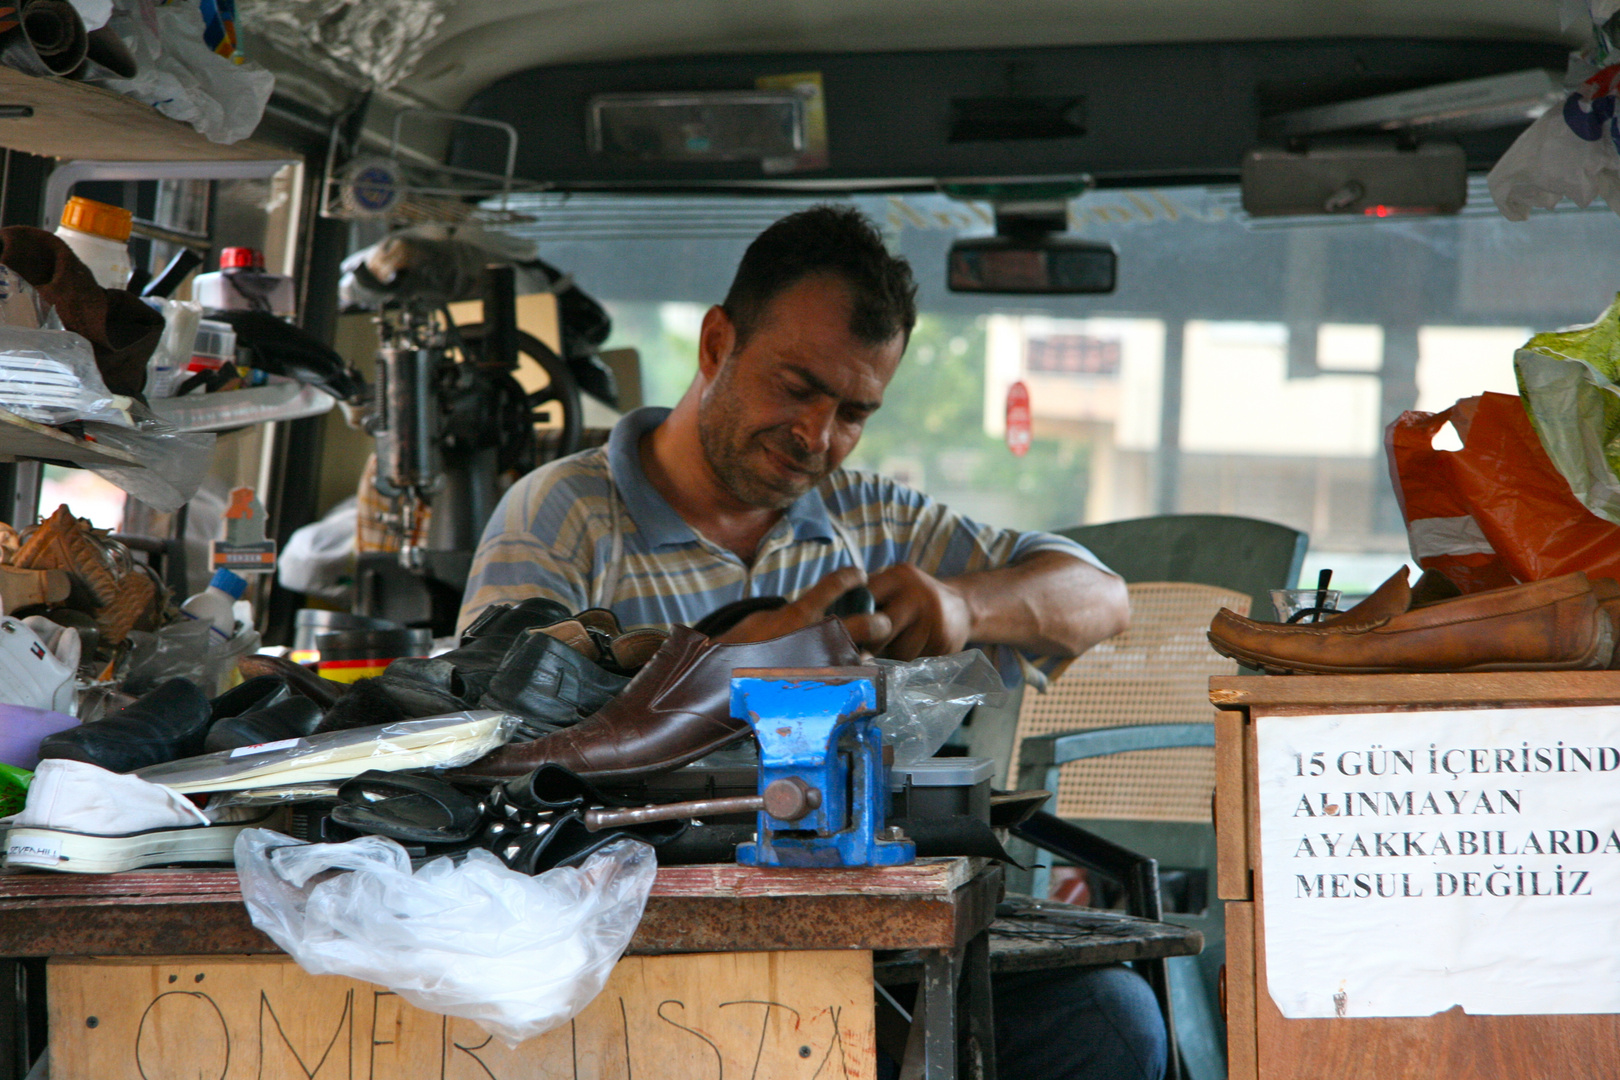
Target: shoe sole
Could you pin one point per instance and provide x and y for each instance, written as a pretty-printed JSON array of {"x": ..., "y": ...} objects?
[
  {"x": 33, "y": 848},
  {"x": 1270, "y": 665}
]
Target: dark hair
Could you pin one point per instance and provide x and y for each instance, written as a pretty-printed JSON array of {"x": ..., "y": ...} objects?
[{"x": 825, "y": 239}]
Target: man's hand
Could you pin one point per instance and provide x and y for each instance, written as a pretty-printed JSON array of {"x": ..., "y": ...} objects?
[
  {"x": 869, "y": 631},
  {"x": 927, "y": 616}
]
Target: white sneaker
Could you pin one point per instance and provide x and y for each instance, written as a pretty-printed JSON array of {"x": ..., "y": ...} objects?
[
  {"x": 85, "y": 820},
  {"x": 30, "y": 673},
  {"x": 34, "y": 848},
  {"x": 61, "y": 640}
]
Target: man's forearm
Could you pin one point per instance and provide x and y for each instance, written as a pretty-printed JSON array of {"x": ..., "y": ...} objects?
[{"x": 1050, "y": 603}]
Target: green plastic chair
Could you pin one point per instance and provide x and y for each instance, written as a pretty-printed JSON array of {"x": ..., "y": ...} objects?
[{"x": 1243, "y": 555}]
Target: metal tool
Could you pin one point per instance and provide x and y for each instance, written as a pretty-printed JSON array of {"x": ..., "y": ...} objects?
[
  {"x": 787, "y": 799},
  {"x": 816, "y": 735}
]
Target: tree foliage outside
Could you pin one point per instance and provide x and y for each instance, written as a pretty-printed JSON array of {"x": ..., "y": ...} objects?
[{"x": 930, "y": 431}]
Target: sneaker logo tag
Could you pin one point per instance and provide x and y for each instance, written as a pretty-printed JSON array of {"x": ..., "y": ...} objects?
[
  {"x": 266, "y": 747},
  {"x": 38, "y": 650},
  {"x": 34, "y": 851}
]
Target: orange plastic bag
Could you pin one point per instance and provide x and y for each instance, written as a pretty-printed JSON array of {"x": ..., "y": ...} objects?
[{"x": 1497, "y": 511}]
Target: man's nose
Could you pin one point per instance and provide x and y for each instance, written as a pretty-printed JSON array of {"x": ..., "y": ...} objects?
[{"x": 814, "y": 427}]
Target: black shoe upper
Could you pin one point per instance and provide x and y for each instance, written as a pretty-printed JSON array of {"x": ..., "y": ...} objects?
[{"x": 165, "y": 724}]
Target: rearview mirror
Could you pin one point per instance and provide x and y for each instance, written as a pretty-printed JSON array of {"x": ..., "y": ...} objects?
[{"x": 1042, "y": 263}]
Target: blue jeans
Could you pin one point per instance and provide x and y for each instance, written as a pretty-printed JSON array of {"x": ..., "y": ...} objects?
[{"x": 1090, "y": 1023}]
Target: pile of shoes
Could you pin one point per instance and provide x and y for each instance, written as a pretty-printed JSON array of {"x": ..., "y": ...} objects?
[
  {"x": 70, "y": 571},
  {"x": 534, "y": 660},
  {"x": 539, "y": 718},
  {"x": 1561, "y": 624}
]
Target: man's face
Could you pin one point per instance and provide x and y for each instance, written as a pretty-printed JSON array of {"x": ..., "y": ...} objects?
[{"x": 783, "y": 411}]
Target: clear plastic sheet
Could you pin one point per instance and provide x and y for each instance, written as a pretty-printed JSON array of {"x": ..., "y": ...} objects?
[
  {"x": 185, "y": 649},
  {"x": 436, "y": 742},
  {"x": 50, "y": 376},
  {"x": 176, "y": 461},
  {"x": 518, "y": 955},
  {"x": 927, "y": 699}
]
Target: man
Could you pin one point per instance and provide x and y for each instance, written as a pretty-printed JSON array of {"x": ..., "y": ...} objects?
[{"x": 737, "y": 492}]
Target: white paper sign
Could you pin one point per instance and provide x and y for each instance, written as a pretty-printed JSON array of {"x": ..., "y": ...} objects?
[{"x": 1415, "y": 861}]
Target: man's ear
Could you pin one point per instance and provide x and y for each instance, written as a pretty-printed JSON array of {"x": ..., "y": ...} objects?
[{"x": 716, "y": 339}]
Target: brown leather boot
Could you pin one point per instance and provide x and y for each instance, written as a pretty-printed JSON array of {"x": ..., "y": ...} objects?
[
  {"x": 1551, "y": 625},
  {"x": 676, "y": 709}
]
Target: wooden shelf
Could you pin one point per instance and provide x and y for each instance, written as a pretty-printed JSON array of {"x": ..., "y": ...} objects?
[
  {"x": 22, "y": 439},
  {"x": 72, "y": 120}
]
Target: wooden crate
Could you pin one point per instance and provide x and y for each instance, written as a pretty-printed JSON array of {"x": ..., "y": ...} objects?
[{"x": 761, "y": 1014}]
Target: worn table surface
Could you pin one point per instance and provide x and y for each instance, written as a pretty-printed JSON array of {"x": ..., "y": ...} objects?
[
  {"x": 1389, "y": 693},
  {"x": 1039, "y": 935},
  {"x": 932, "y": 904}
]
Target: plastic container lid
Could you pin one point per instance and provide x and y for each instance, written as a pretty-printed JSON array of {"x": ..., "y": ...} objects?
[
  {"x": 229, "y": 583},
  {"x": 374, "y": 644},
  {"x": 241, "y": 258},
  {"x": 97, "y": 218},
  {"x": 944, "y": 772}
]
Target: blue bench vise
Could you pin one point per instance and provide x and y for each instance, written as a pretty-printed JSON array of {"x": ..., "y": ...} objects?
[{"x": 823, "y": 777}]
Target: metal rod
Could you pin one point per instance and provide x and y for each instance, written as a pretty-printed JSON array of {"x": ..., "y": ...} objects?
[
  {"x": 171, "y": 236},
  {"x": 597, "y": 820}
]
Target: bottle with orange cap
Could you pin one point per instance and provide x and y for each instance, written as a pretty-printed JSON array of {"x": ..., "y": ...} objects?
[{"x": 99, "y": 235}]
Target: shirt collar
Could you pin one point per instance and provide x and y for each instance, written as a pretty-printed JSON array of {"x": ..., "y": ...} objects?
[{"x": 655, "y": 519}]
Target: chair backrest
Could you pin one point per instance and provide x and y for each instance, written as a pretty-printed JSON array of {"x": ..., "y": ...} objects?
[
  {"x": 1244, "y": 554},
  {"x": 1157, "y": 672}
]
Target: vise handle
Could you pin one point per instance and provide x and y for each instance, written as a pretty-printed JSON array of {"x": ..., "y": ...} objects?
[{"x": 788, "y": 799}]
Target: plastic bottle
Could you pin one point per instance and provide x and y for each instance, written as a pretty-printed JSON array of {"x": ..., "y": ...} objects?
[
  {"x": 241, "y": 284},
  {"x": 99, "y": 236},
  {"x": 214, "y": 605}
]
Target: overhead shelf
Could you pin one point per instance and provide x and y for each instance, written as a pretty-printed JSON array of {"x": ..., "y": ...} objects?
[
  {"x": 23, "y": 439},
  {"x": 239, "y": 408},
  {"x": 72, "y": 120}
]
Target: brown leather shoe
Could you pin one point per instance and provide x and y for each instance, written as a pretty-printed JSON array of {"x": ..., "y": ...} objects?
[
  {"x": 676, "y": 709},
  {"x": 21, "y": 588},
  {"x": 1551, "y": 625}
]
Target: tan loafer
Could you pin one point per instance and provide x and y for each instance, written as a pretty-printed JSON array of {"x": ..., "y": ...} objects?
[{"x": 1557, "y": 624}]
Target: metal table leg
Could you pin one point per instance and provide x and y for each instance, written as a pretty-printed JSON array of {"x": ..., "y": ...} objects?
[{"x": 932, "y": 1044}]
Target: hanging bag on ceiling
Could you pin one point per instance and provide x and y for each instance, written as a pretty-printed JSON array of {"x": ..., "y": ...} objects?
[{"x": 1496, "y": 511}]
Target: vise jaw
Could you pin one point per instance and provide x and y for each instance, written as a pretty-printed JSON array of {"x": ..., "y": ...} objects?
[{"x": 816, "y": 733}]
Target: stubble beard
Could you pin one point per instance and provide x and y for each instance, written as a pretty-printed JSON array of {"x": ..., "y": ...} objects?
[{"x": 730, "y": 449}]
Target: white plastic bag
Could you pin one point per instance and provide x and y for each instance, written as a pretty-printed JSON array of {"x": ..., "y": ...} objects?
[
  {"x": 927, "y": 699},
  {"x": 519, "y": 955},
  {"x": 181, "y": 77},
  {"x": 1572, "y": 151}
]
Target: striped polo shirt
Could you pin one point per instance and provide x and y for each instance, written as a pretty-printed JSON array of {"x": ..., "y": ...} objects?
[{"x": 553, "y": 535}]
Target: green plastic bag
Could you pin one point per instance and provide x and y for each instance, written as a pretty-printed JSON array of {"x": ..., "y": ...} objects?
[
  {"x": 13, "y": 789},
  {"x": 1570, "y": 383}
]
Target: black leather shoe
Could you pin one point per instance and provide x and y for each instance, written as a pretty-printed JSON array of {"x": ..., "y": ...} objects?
[
  {"x": 289, "y": 718},
  {"x": 259, "y": 692},
  {"x": 457, "y": 679},
  {"x": 555, "y": 676},
  {"x": 166, "y": 724}
]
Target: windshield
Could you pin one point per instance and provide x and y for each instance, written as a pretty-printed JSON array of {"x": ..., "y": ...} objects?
[{"x": 1243, "y": 366}]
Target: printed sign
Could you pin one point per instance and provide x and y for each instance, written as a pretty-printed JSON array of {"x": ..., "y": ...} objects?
[
  {"x": 1416, "y": 861},
  {"x": 1018, "y": 425}
]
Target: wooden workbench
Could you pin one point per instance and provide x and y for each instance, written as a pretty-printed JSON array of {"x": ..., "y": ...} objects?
[
  {"x": 770, "y": 936},
  {"x": 1262, "y": 1044}
]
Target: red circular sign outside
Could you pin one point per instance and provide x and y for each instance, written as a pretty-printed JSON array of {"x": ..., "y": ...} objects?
[{"x": 1018, "y": 434}]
